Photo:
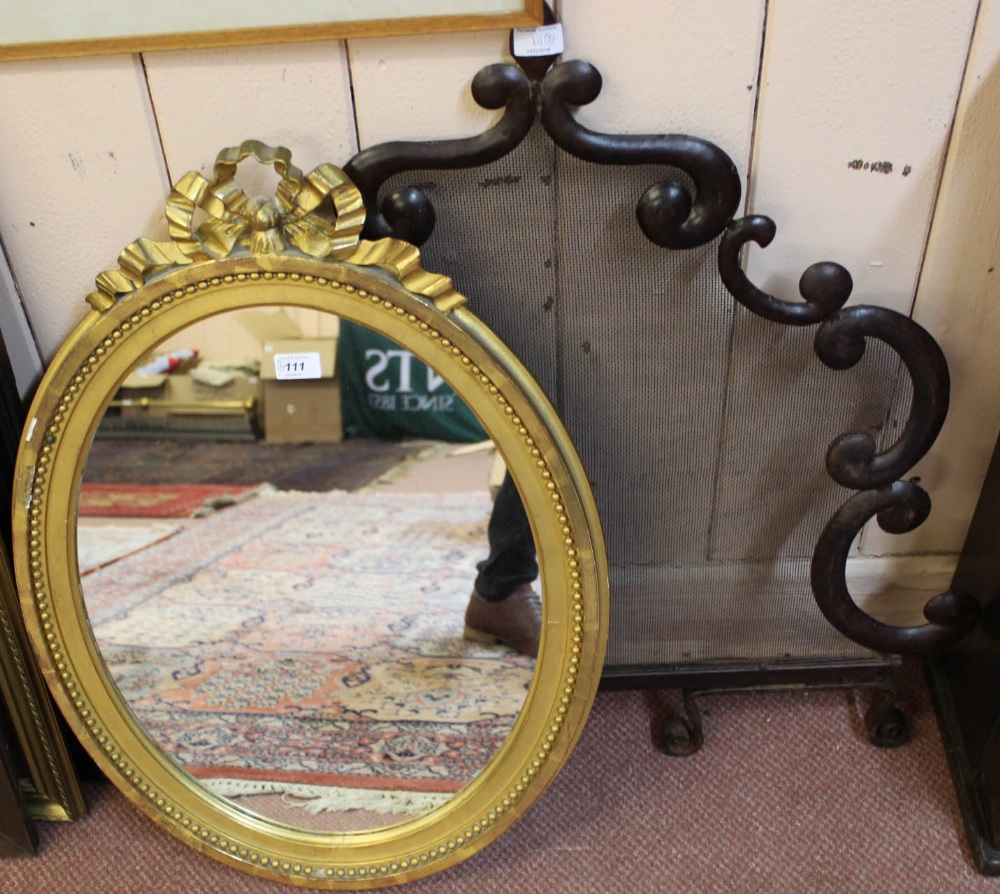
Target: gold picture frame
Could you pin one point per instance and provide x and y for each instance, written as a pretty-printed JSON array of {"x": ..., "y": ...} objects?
[
  {"x": 50, "y": 790},
  {"x": 95, "y": 27},
  {"x": 303, "y": 249}
]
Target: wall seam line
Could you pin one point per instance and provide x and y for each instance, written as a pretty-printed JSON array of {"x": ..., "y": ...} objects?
[
  {"x": 756, "y": 109},
  {"x": 721, "y": 440},
  {"x": 949, "y": 140},
  {"x": 348, "y": 56},
  {"x": 156, "y": 119}
]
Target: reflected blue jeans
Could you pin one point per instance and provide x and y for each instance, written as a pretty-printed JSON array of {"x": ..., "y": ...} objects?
[{"x": 512, "y": 561}]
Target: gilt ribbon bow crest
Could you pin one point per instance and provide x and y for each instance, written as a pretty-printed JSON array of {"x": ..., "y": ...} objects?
[
  {"x": 320, "y": 216},
  {"x": 298, "y": 216},
  {"x": 265, "y": 225}
]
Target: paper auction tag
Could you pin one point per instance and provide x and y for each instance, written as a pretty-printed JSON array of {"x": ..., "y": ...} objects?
[
  {"x": 298, "y": 366},
  {"x": 546, "y": 40}
]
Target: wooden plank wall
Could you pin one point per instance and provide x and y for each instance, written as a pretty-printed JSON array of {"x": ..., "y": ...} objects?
[{"x": 794, "y": 91}]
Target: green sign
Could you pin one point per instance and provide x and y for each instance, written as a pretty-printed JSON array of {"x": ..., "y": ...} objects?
[{"x": 386, "y": 392}]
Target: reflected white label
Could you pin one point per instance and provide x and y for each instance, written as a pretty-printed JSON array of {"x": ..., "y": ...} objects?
[{"x": 298, "y": 366}]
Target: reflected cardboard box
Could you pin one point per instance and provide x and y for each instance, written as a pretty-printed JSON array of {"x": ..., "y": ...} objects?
[{"x": 300, "y": 391}]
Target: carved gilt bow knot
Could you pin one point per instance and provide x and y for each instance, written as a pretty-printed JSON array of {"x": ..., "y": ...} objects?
[
  {"x": 320, "y": 215},
  {"x": 267, "y": 225}
]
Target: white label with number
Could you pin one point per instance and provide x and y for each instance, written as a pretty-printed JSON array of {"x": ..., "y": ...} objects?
[
  {"x": 544, "y": 41},
  {"x": 298, "y": 366}
]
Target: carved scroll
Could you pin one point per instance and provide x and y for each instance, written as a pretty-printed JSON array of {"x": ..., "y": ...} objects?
[
  {"x": 825, "y": 287},
  {"x": 900, "y": 507},
  {"x": 853, "y": 459},
  {"x": 667, "y": 212},
  {"x": 408, "y": 214}
]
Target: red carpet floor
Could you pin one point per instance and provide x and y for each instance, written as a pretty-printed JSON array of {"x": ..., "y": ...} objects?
[
  {"x": 152, "y": 500},
  {"x": 786, "y": 796}
]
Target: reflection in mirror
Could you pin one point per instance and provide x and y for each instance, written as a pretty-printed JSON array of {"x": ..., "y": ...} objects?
[{"x": 283, "y": 607}]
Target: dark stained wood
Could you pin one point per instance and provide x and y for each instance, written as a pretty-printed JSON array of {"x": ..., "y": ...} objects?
[
  {"x": 37, "y": 777},
  {"x": 17, "y": 832},
  {"x": 964, "y": 682},
  {"x": 876, "y": 671}
]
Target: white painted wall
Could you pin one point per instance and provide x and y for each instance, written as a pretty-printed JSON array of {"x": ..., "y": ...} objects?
[
  {"x": 958, "y": 301},
  {"x": 205, "y": 100},
  {"x": 81, "y": 176},
  {"x": 671, "y": 67},
  {"x": 88, "y": 146},
  {"x": 852, "y": 81}
]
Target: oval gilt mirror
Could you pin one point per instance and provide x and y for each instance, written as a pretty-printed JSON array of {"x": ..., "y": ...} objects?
[
  {"x": 321, "y": 599},
  {"x": 293, "y": 678}
]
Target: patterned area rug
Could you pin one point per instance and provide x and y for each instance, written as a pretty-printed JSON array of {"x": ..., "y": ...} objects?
[
  {"x": 156, "y": 500},
  {"x": 312, "y": 644},
  {"x": 100, "y": 545}
]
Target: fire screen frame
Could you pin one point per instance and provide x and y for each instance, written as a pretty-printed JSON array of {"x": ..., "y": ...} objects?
[{"x": 675, "y": 215}]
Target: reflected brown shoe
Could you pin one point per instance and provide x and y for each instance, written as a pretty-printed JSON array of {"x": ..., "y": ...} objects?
[{"x": 515, "y": 621}]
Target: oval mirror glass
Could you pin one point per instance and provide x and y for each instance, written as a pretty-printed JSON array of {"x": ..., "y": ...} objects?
[
  {"x": 268, "y": 613},
  {"x": 286, "y": 616}
]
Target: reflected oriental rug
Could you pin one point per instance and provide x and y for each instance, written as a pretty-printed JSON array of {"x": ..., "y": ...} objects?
[
  {"x": 311, "y": 644},
  {"x": 156, "y": 500}
]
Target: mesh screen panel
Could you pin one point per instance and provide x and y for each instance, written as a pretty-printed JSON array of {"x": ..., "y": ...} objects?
[
  {"x": 495, "y": 238},
  {"x": 703, "y": 428}
]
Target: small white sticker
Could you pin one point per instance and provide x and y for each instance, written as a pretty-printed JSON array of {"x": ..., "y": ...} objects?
[
  {"x": 298, "y": 366},
  {"x": 31, "y": 428},
  {"x": 544, "y": 41}
]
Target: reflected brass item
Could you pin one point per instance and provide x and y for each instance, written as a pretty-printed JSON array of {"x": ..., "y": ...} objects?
[
  {"x": 234, "y": 407},
  {"x": 303, "y": 249}
]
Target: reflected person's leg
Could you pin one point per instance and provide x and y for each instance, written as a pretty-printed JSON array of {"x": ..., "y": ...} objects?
[
  {"x": 503, "y": 607},
  {"x": 511, "y": 562}
]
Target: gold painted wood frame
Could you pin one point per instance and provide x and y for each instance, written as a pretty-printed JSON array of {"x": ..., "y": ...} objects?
[
  {"x": 50, "y": 791},
  {"x": 67, "y": 28},
  {"x": 42, "y": 769},
  {"x": 291, "y": 251}
]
